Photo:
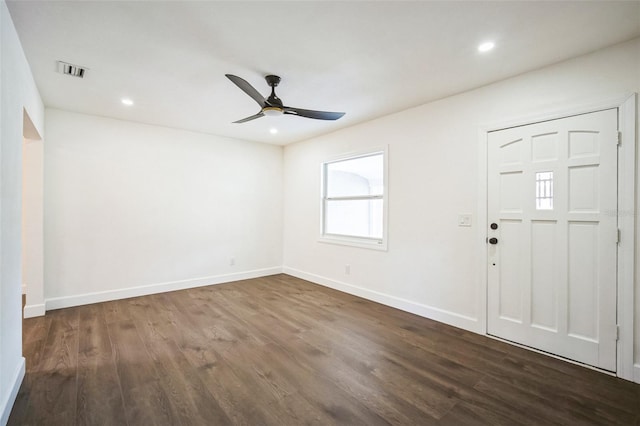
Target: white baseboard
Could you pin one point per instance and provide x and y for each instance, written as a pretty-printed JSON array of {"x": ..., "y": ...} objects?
[
  {"x": 31, "y": 311},
  {"x": 437, "y": 314},
  {"x": 636, "y": 373},
  {"x": 8, "y": 401},
  {"x": 125, "y": 293}
]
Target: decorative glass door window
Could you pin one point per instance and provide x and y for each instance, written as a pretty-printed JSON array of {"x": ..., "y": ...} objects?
[{"x": 544, "y": 191}]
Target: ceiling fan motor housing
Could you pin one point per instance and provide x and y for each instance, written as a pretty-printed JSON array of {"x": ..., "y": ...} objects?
[{"x": 272, "y": 80}]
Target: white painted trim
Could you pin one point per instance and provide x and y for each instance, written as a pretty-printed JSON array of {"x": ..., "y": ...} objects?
[
  {"x": 368, "y": 243},
  {"x": 7, "y": 404},
  {"x": 437, "y": 314},
  {"x": 626, "y": 248},
  {"x": 561, "y": 111},
  {"x": 125, "y": 293},
  {"x": 626, "y": 202},
  {"x": 31, "y": 311},
  {"x": 24, "y": 289},
  {"x": 636, "y": 373},
  {"x": 483, "y": 224}
]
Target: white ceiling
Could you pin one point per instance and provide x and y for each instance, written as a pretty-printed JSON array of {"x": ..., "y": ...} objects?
[{"x": 367, "y": 58}]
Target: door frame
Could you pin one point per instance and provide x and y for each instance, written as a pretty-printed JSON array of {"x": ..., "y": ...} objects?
[{"x": 627, "y": 116}]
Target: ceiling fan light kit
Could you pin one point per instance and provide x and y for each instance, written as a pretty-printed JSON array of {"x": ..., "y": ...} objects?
[
  {"x": 273, "y": 106},
  {"x": 272, "y": 111}
]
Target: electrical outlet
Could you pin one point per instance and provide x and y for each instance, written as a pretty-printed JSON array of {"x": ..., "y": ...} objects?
[
  {"x": 464, "y": 220},
  {"x": 232, "y": 261},
  {"x": 347, "y": 269}
]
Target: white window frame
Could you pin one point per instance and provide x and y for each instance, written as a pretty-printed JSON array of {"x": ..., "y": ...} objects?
[{"x": 363, "y": 242}]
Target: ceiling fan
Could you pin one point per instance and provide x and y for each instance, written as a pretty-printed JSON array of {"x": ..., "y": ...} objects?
[{"x": 273, "y": 105}]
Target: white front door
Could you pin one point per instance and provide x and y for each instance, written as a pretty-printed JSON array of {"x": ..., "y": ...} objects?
[{"x": 552, "y": 246}]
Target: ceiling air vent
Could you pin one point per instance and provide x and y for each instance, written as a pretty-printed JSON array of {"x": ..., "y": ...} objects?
[{"x": 70, "y": 69}]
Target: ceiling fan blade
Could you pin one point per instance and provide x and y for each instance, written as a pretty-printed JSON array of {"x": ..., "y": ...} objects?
[
  {"x": 248, "y": 89},
  {"x": 318, "y": 115},
  {"x": 253, "y": 117}
]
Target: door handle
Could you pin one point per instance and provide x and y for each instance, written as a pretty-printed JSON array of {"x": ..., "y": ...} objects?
[{"x": 493, "y": 240}]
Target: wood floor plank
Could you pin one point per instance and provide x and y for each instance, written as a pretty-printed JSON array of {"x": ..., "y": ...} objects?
[
  {"x": 21, "y": 404},
  {"x": 470, "y": 415},
  {"x": 433, "y": 400},
  {"x": 53, "y": 391},
  {"x": 551, "y": 385},
  {"x": 34, "y": 335},
  {"x": 144, "y": 399},
  {"x": 116, "y": 310},
  {"x": 281, "y": 351},
  {"x": 330, "y": 402},
  {"x": 536, "y": 407},
  {"x": 133, "y": 363},
  {"x": 201, "y": 342},
  {"x": 190, "y": 399},
  {"x": 319, "y": 390},
  {"x": 287, "y": 400},
  {"x": 149, "y": 404},
  {"x": 235, "y": 395},
  {"x": 99, "y": 398},
  {"x": 348, "y": 371},
  {"x": 35, "y": 329}
]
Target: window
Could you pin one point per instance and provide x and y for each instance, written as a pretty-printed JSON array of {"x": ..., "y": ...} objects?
[
  {"x": 544, "y": 191},
  {"x": 354, "y": 200}
]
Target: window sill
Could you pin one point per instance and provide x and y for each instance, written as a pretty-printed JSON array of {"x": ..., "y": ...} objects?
[{"x": 372, "y": 244}]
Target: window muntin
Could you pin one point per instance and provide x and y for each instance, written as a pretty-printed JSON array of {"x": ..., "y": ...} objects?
[
  {"x": 544, "y": 191},
  {"x": 353, "y": 207}
]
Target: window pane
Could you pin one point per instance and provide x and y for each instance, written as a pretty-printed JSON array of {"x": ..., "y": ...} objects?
[
  {"x": 544, "y": 190},
  {"x": 358, "y": 218},
  {"x": 357, "y": 176}
]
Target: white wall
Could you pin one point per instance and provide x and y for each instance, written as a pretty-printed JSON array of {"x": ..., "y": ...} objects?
[
  {"x": 18, "y": 93},
  {"x": 32, "y": 226},
  {"x": 133, "y": 209},
  {"x": 432, "y": 266}
]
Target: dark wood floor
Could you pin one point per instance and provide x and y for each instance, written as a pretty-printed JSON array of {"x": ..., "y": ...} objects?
[{"x": 282, "y": 351}]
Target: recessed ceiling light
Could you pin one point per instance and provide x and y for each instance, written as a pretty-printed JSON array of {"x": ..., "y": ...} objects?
[
  {"x": 127, "y": 101},
  {"x": 487, "y": 46},
  {"x": 273, "y": 131}
]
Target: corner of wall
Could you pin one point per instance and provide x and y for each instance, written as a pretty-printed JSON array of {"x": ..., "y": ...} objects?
[
  {"x": 19, "y": 93},
  {"x": 7, "y": 404}
]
